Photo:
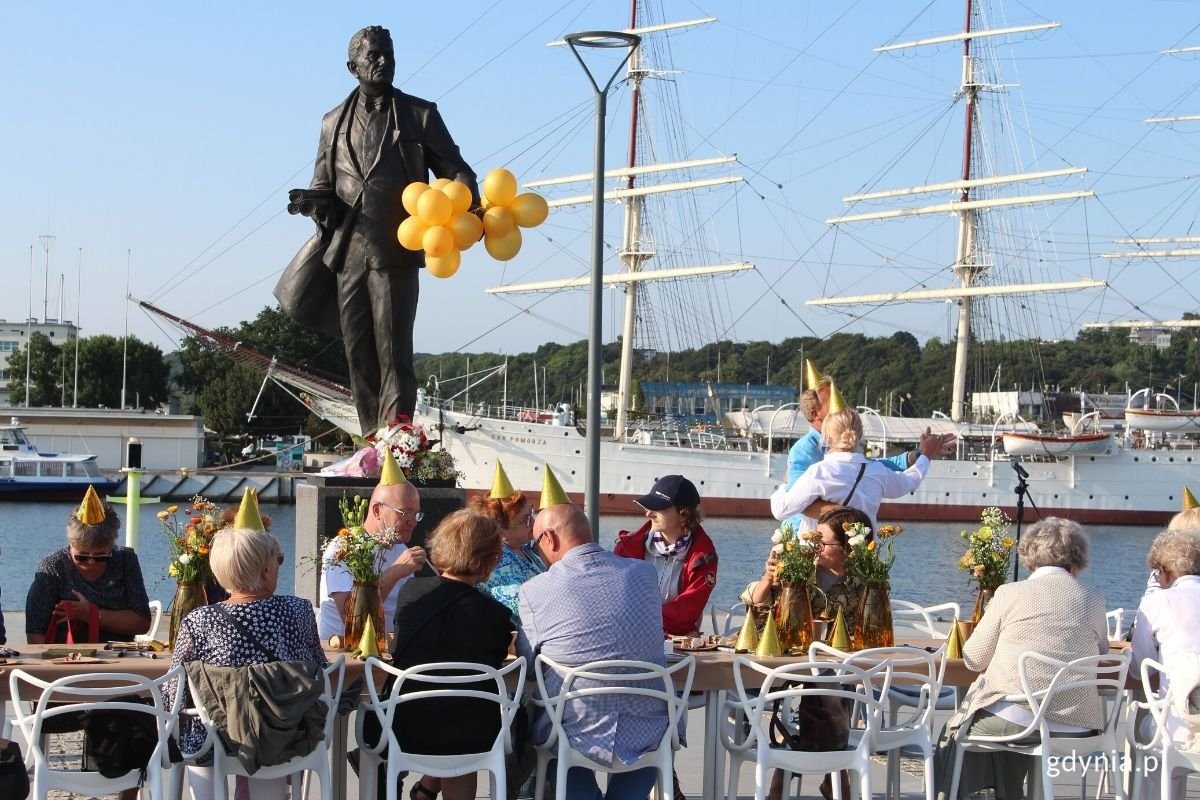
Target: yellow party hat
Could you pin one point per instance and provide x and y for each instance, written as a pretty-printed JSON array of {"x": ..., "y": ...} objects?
[
  {"x": 812, "y": 378},
  {"x": 836, "y": 403},
  {"x": 840, "y": 639},
  {"x": 552, "y": 491},
  {"x": 368, "y": 642},
  {"x": 768, "y": 643},
  {"x": 501, "y": 486},
  {"x": 747, "y": 641},
  {"x": 91, "y": 510},
  {"x": 954, "y": 642},
  {"x": 247, "y": 515},
  {"x": 391, "y": 474},
  {"x": 1189, "y": 500}
]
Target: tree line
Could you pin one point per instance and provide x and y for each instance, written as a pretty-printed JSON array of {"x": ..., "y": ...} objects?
[{"x": 874, "y": 371}]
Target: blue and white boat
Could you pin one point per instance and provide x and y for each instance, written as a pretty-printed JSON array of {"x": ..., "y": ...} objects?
[{"x": 26, "y": 474}]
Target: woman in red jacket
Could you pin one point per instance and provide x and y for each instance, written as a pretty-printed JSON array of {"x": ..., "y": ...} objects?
[{"x": 680, "y": 550}]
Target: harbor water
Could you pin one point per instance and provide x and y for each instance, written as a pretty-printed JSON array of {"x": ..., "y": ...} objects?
[{"x": 925, "y": 571}]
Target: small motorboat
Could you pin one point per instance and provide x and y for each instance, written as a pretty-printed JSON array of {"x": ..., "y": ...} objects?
[
  {"x": 1057, "y": 445},
  {"x": 26, "y": 474}
]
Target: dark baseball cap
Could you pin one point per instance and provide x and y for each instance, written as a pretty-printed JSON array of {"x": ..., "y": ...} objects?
[{"x": 670, "y": 490}]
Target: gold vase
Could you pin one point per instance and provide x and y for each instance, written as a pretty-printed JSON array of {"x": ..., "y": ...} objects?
[
  {"x": 365, "y": 603},
  {"x": 793, "y": 612},
  {"x": 874, "y": 625},
  {"x": 189, "y": 595},
  {"x": 982, "y": 598}
]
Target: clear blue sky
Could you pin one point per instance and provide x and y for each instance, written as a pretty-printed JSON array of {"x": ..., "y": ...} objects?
[{"x": 174, "y": 130}]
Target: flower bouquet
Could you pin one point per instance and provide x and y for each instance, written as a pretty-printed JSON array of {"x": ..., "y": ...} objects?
[
  {"x": 189, "y": 542},
  {"x": 409, "y": 445},
  {"x": 988, "y": 559},
  {"x": 364, "y": 556},
  {"x": 868, "y": 562},
  {"x": 795, "y": 554},
  {"x": 795, "y": 568}
]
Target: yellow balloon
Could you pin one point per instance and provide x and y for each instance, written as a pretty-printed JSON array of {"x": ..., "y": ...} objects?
[
  {"x": 498, "y": 221},
  {"x": 459, "y": 194},
  {"x": 467, "y": 228},
  {"x": 438, "y": 241},
  {"x": 438, "y": 183},
  {"x": 529, "y": 210},
  {"x": 434, "y": 208},
  {"x": 445, "y": 266},
  {"x": 411, "y": 233},
  {"x": 500, "y": 186},
  {"x": 411, "y": 194},
  {"x": 504, "y": 248}
]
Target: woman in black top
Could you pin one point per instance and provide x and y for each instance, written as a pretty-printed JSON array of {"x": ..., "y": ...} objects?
[{"x": 91, "y": 580}]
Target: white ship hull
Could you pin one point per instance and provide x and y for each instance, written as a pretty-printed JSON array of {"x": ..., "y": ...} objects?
[
  {"x": 1130, "y": 487},
  {"x": 1164, "y": 421}
]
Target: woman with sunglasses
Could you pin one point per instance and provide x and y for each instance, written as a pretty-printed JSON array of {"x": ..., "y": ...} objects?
[
  {"x": 513, "y": 513},
  {"x": 91, "y": 583}
]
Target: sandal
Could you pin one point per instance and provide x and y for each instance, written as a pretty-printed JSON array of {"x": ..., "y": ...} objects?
[{"x": 420, "y": 791}]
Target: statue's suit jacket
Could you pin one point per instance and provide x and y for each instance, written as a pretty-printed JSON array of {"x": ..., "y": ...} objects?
[{"x": 368, "y": 188}]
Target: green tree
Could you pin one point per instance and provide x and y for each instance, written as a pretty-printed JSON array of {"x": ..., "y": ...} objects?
[
  {"x": 103, "y": 358},
  {"x": 45, "y": 372}
]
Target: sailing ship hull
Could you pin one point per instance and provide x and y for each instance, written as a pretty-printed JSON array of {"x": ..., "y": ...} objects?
[{"x": 1127, "y": 488}]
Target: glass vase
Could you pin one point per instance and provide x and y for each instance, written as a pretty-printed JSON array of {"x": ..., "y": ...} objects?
[
  {"x": 189, "y": 595},
  {"x": 874, "y": 625},
  {"x": 793, "y": 613},
  {"x": 365, "y": 603},
  {"x": 982, "y": 598}
]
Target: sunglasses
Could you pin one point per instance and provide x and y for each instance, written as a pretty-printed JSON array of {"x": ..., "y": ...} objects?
[{"x": 83, "y": 558}]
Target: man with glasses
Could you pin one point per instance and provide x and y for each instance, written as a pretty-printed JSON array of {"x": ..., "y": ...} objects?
[{"x": 396, "y": 509}]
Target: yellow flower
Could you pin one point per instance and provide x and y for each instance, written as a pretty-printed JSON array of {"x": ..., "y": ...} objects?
[
  {"x": 789, "y": 546},
  {"x": 344, "y": 533},
  {"x": 1008, "y": 542},
  {"x": 871, "y": 545},
  {"x": 163, "y": 515},
  {"x": 172, "y": 509},
  {"x": 978, "y": 571},
  {"x": 173, "y": 570}
]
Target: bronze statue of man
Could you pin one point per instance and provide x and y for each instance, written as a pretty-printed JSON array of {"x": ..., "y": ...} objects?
[{"x": 373, "y": 144}]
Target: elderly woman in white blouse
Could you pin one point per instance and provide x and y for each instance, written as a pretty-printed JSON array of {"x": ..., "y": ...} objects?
[{"x": 1051, "y": 613}]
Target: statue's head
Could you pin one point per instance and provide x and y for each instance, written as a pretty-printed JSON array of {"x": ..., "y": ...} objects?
[{"x": 372, "y": 59}]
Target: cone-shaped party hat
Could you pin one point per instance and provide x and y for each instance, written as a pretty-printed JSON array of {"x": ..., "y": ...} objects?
[
  {"x": 391, "y": 474},
  {"x": 812, "y": 378},
  {"x": 840, "y": 639},
  {"x": 552, "y": 491},
  {"x": 747, "y": 641},
  {"x": 1189, "y": 500},
  {"x": 836, "y": 403},
  {"x": 501, "y": 486},
  {"x": 954, "y": 642},
  {"x": 248, "y": 516},
  {"x": 91, "y": 510},
  {"x": 368, "y": 644},
  {"x": 768, "y": 643}
]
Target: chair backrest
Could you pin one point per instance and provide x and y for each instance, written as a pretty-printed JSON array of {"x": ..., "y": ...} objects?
[
  {"x": 156, "y": 614},
  {"x": 923, "y": 618},
  {"x": 1099, "y": 673},
  {"x": 562, "y": 688},
  {"x": 94, "y": 692},
  {"x": 724, "y": 619},
  {"x": 451, "y": 678},
  {"x": 1116, "y": 623},
  {"x": 918, "y": 669},
  {"x": 1157, "y": 702}
]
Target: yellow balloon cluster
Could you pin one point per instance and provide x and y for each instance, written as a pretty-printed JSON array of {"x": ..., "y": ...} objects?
[
  {"x": 440, "y": 223},
  {"x": 506, "y": 212}
]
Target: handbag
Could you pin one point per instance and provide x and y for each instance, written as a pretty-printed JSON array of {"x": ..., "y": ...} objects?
[
  {"x": 93, "y": 628},
  {"x": 14, "y": 779},
  {"x": 821, "y": 722}
]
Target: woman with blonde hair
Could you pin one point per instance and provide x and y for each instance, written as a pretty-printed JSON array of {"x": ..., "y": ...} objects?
[{"x": 846, "y": 477}]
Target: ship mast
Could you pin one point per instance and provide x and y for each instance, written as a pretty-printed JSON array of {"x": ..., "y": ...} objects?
[{"x": 966, "y": 266}]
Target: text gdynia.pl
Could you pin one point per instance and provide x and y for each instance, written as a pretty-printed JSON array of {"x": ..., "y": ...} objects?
[{"x": 1098, "y": 763}]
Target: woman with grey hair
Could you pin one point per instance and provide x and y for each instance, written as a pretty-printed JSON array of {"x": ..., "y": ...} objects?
[
  {"x": 1051, "y": 613},
  {"x": 92, "y": 584},
  {"x": 253, "y": 626}
]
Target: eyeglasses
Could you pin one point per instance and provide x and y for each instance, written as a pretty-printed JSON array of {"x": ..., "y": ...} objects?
[
  {"x": 416, "y": 516},
  {"x": 83, "y": 558},
  {"x": 838, "y": 545},
  {"x": 529, "y": 518}
]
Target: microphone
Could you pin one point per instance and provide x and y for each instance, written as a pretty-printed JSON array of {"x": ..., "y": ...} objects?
[{"x": 1017, "y": 468}]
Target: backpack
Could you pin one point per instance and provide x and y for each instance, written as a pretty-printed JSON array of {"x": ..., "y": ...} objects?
[{"x": 117, "y": 741}]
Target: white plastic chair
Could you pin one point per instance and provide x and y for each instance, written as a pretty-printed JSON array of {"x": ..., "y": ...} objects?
[
  {"x": 920, "y": 673},
  {"x": 747, "y": 734},
  {"x": 1100, "y": 673},
  {"x": 317, "y": 762},
  {"x": 922, "y": 618},
  {"x": 451, "y": 675},
  {"x": 156, "y": 615},
  {"x": 1161, "y": 744},
  {"x": 598, "y": 679},
  {"x": 94, "y": 692},
  {"x": 1116, "y": 620},
  {"x": 724, "y": 619}
]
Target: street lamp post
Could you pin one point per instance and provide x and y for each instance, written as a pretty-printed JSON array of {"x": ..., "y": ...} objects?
[{"x": 598, "y": 39}]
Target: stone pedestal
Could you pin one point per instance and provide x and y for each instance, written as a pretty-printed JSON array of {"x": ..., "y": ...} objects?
[{"x": 318, "y": 519}]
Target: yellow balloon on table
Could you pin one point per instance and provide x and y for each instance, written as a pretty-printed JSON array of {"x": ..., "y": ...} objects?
[
  {"x": 411, "y": 194},
  {"x": 498, "y": 221},
  {"x": 500, "y": 187},
  {"x": 438, "y": 241},
  {"x": 529, "y": 210},
  {"x": 460, "y": 196},
  {"x": 445, "y": 266},
  {"x": 503, "y": 248},
  {"x": 411, "y": 233},
  {"x": 434, "y": 208},
  {"x": 467, "y": 228}
]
